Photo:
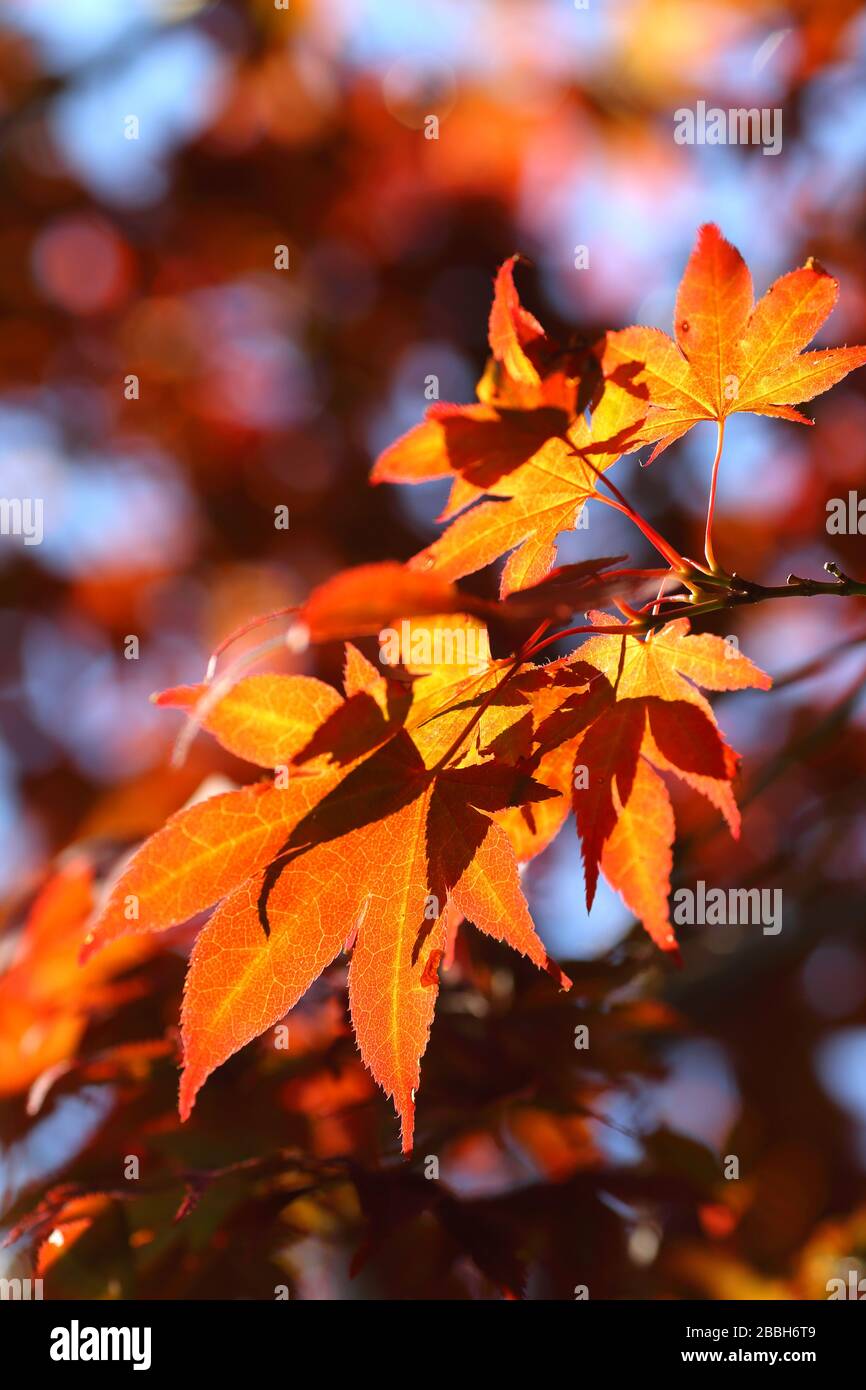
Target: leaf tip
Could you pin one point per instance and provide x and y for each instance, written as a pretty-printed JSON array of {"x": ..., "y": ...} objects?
[
  {"x": 406, "y": 1110},
  {"x": 176, "y": 697},
  {"x": 564, "y": 981},
  {"x": 708, "y": 232},
  {"x": 189, "y": 1089}
]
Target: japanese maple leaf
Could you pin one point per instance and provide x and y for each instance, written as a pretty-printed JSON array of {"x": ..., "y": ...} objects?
[
  {"x": 633, "y": 709},
  {"x": 370, "y": 855},
  {"x": 529, "y": 507},
  {"x": 526, "y": 444},
  {"x": 729, "y": 354},
  {"x": 530, "y": 391},
  {"x": 45, "y": 996},
  {"x": 265, "y": 719},
  {"x": 363, "y": 600}
]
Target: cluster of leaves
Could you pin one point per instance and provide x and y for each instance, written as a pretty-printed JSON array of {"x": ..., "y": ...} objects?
[
  {"x": 305, "y": 1168},
  {"x": 407, "y": 803},
  {"x": 222, "y": 1206}
]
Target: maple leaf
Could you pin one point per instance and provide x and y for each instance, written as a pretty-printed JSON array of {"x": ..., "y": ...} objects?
[
  {"x": 360, "y": 601},
  {"x": 529, "y": 392},
  {"x": 527, "y": 445},
  {"x": 634, "y": 706},
  {"x": 515, "y": 334},
  {"x": 729, "y": 354},
  {"x": 374, "y": 854},
  {"x": 264, "y": 719},
  {"x": 45, "y": 997},
  {"x": 530, "y": 506},
  {"x": 637, "y": 858},
  {"x": 376, "y": 862},
  {"x": 365, "y": 600}
]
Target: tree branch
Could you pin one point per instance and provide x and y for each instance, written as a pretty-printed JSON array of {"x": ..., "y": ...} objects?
[{"x": 728, "y": 591}]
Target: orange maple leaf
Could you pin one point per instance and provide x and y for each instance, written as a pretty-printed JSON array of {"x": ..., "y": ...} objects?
[
  {"x": 375, "y": 851},
  {"x": 46, "y": 999},
  {"x": 530, "y": 391},
  {"x": 530, "y": 506},
  {"x": 526, "y": 446},
  {"x": 730, "y": 355},
  {"x": 635, "y": 705}
]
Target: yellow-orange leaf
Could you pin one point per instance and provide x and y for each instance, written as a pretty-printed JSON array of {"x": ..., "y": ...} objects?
[
  {"x": 728, "y": 355},
  {"x": 242, "y": 981},
  {"x": 378, "y": 868},
  {"x": 265, "y": 719},
  {"x": 637, "y": 859},
  {"x": 536, "y": 502},
  {"x": 489, "y": 894},
  {"x": 201, "y": 854},
  {"x": 512, "y": 329}
]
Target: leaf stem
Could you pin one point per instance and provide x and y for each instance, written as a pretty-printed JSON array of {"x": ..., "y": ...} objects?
[
  {"x": 621, "y": 503},
  {"x": 587, "y": 628},
  {"x": 676, "y": 561},
  {"x": 241, "y": 632},
  {"x": 711, "y": 506}
]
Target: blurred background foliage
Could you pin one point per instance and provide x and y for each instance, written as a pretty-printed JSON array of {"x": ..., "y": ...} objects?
[{"x": 305, "y": 127}]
